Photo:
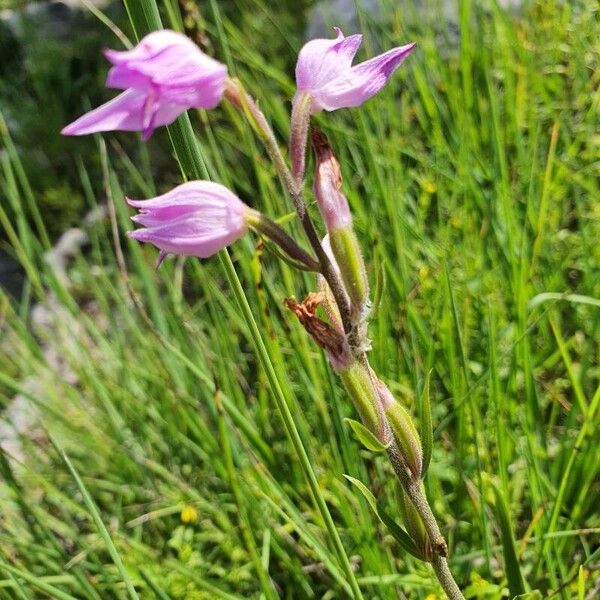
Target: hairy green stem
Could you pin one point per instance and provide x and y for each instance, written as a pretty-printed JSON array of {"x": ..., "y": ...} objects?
[
  {"x": 240, "y": 98},
  {"x": 411, "y": 486},
  {"x": 414, "y": 491},
  {"x": 262, "y": 224},
  {"x": 289, "y": 422},
  {"x": 440, "y": 567},
  {"x": 299, "y": 125}
]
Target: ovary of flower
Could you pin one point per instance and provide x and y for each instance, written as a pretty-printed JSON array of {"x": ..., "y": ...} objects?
[
  {"x": 197, "y": 218},
  {"x": 163, "y": 76},
  {"x": 324, "y": 71}
]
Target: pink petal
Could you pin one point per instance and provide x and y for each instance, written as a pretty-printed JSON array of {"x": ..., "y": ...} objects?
[
  {"x": 149, "y": 46},
  {"x": 171, "y": 66},
  {"x": 191, "y": 239},
  {"x": 163, "y": 76},
  {"x": 191, "y": 192},
  {"x": 363, "y": 81},
  {"x": 159, "y": 112},
  {"x": 321, "y": 60},
  {"x": 174, "y": 66},
  {"x": 125, "y": 112},
  {"x": 197, "y": 218},
  {"x": 130, "y": 111}
]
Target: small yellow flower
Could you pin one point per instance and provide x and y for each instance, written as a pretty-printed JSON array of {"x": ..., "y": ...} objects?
[
  {"x": 189, "y": 514},
  {"x": 431, "y": 597},
  {"x": 429, "y": 187}
]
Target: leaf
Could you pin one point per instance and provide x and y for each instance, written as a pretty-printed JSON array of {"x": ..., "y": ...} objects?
[
  {"x": 534, "y": 595},
  {"x": 379, "y": 288},
  {"x": 365, "y": 491},
  {"x": 97, "y": 519},
  {"x": 398, "y": 533},
  {"x": 555, "y": 296},
  {"x": 158, "y": 592},
  {"x": 581, "y": 583},
  {"x": 516, "y": 583},
  {"x": 365, "y": 437},
  {"x": 426, "y": 425},
  {"x": 286, "y": 258},
  {"x": 37, "y": 582}
]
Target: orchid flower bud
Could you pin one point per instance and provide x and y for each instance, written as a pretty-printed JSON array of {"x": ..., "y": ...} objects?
[
  {"x": 328, "y": 185},
  {"x": 324, "y": 71},
  {"x": 338, "y": 220},
  {"x": 360, "y": 383},
  {"x": 163, "y": 76},
  {"x": 414, "y": 523},
  {"x": 403, "y": 429},
  {"x": 197, "y": 218}
]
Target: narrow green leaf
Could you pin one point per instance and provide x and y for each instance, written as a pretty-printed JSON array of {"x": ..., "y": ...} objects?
[
  {"x": 398, "y": 533},
  {"x": 555, "y": 296},
  {"x": 365, "y": 437},
  {"x": 365, "y": 491},
  {"x": 37, "y": 582},
  {"x": 581, "y": 583},
  {"x": 21, "y": 593},
  {"x": 379, "y": 287},
  {"x": 426, "y": 425},
  {"x": 102, "y": 530},
  {"x": 158, "y": 592},
  {"x": 516, "y": 583},
  {"x": 534, "y": 595}
]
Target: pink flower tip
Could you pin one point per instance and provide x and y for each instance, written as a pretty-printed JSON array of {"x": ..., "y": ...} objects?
[
  {"x": 324, "y": 71},
  {"x": 328, "y": 185},
  {"x": 197, "y": 218},
  {"x": 163, "y": 76}
]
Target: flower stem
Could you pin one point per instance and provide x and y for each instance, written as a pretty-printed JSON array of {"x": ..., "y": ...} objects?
[
  {"x": 262, "y": 224},
  {"x": 293, "y": 185},
  {"x": 414, "y": 491},
  {"x": 440, "y": 567},
  {"x": 294, "y": 189},
  {"x": 242, "y": 100},
  {"x": 298, "y": 136}
]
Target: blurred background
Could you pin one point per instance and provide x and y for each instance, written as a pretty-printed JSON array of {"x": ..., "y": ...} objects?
[{"x": 474, "y": 178}]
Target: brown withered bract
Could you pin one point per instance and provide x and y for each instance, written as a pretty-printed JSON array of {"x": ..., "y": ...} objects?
[{"x": 323, "y": 333}]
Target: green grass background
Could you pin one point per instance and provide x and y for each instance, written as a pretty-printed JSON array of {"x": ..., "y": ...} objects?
[{"x": 160, "y": 466}]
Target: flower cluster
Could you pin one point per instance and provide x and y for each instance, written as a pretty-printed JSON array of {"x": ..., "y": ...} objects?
[{"x": 165, "y": 75}]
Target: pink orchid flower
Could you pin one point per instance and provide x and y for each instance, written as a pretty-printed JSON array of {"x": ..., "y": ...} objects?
[
  {"x": 197, "y": 218},
  {"x": 163, "y": 76},
  {"x": 324, "y": 71}
]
